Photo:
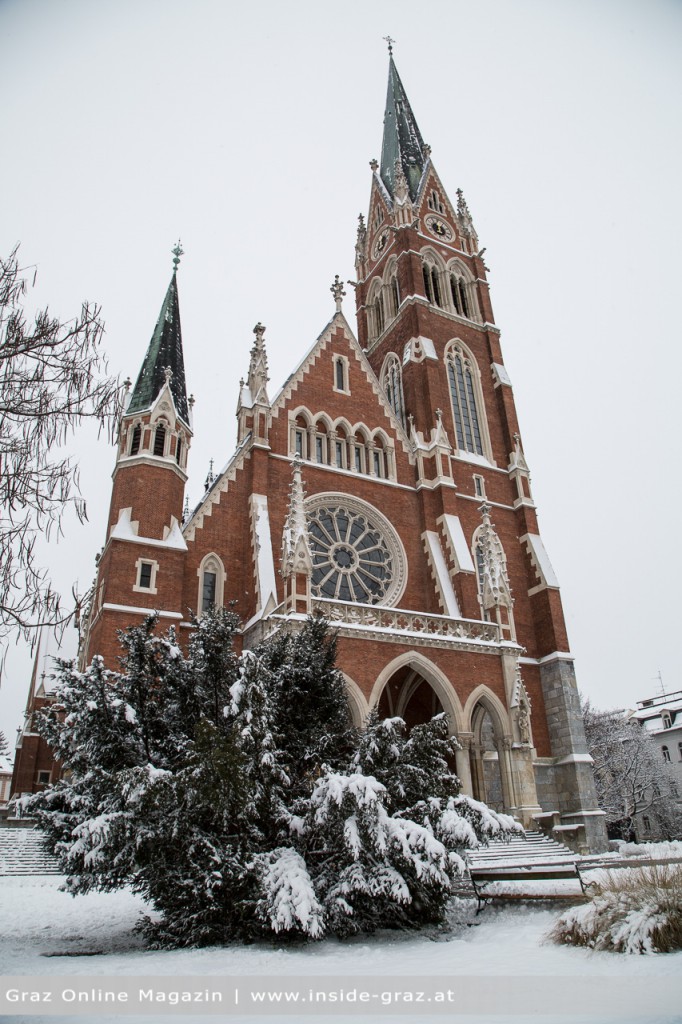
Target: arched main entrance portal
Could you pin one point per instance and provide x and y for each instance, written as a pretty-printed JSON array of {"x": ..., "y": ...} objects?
[
  {"x": 409, "y": 696},
  {"x": 414, "y": 689}
]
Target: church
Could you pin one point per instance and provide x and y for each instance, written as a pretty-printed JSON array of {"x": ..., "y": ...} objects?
[{"x": 384, "y": 486}]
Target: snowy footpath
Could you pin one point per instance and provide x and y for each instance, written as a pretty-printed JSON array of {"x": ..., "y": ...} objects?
[{"x": 45, "y": 932}]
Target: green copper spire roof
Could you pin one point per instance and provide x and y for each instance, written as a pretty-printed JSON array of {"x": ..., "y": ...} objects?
[
  {"x": 164, "y": 352},
  {"x": 402, "y": 138}
]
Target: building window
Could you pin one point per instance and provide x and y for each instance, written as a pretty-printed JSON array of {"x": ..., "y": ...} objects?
[
  {"x": 679, "y": 751},
  {"x": 208, "y": 589},
  {"x": 479, "y": 486},
  {"x": 432, "y": 284},
  {"x": 146, "y": 576},
  {"x": 647, "y": 823},
  {"x": 178, "y": 450},
  {"x": 667, "y": 720},
  {"x": 434, "y": 202},
  {"x": 464, "y": 406},
  {"x": 666, "y": 753},
  {"x": 136, "y": 439},
  {"x": 320, "y": 445},
  {"x": 341, "y": 375},
  {"x": 211, "y": 575},
  {"x": 338, "y": 449},
  {"x": 378, "y": 216},
  {"x": 460, "y": 299},
  {"x": 392, "y": 383},
  {"x": 160, "y": 440},
  {"x": 299, "y": 442},
  {"x": 43, "y": 778}
]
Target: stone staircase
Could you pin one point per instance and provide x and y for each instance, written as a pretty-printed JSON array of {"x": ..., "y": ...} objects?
[
  {"x": 22, "y": 853},
  {"x": 534, "y": 853}
]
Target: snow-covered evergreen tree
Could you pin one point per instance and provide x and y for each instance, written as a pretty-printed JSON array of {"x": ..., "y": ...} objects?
[{"x": 235, "y": 795}]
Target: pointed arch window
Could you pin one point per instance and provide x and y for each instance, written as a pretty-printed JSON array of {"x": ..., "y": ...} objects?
[
  {"x": 136, "y": 439},
  {"x": 465, "y": 408},
  {"x": 211, "y": 575},
  {"x": 460, "y": 299},
  {"x": 178, "y": 451},
  {"x": 392, "y": 383},
  {"x": 432, "y": 284},
  {"x": 160, "y": 440}
]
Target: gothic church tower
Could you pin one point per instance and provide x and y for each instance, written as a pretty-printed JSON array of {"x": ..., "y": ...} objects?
[
  {"x": 141, "y": 566},
  {"x": 383, "y": 486}
]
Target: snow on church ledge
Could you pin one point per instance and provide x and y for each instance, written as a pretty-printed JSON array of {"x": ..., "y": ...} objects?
[{"x": 127, "y": 529}]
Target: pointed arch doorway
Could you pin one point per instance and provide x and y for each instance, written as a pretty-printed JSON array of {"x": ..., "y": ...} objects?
[
  {"x": 408, "y": 695},
  {"x": 490, "y": 776},
  {"x": 412, "y": 688}
]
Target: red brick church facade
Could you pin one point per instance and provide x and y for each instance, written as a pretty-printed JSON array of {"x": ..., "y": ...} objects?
[{"x": 384, "y": 485}]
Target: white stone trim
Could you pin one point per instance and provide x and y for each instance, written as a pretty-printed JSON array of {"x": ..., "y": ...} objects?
[
  {"x": 456, "y": 543},
  {"x": 130, "y": 609},
  {"x": 439, "y": 571},
  {"x": 547, "y": 658},
  {"x": 264, "y": 565},
  {"x": 151, "y": 589},
  {"x": 540, "y": 562}
]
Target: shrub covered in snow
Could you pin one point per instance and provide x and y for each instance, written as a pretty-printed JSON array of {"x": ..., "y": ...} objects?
[
  {"x": 234, "y": 794},
  {"x": 632, "y": 910}
]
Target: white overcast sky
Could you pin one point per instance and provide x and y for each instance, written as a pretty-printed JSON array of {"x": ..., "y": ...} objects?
[{"x": 247, "y": 130}]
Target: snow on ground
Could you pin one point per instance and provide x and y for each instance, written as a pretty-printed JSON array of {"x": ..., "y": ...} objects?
[{"x": 505, "y": 942}]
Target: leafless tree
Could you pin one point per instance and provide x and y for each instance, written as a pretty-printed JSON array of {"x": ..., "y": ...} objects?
[
  {"x": 53, "y": 376},
  {"x": 631, "y": 777}
]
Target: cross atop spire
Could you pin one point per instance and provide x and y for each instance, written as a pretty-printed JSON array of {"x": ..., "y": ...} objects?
[
  {"x": 402, "y": 139},
  {"x": 390, "y": 42},
  {"x": 178, "y": 251}
]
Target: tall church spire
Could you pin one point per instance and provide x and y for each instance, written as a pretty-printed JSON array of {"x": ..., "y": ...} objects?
[
  {"x": 402, "y": 143},
  {"x": 164, "y": 352}
]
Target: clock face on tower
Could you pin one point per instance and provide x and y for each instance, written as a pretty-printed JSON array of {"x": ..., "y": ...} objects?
[
  {"x": 439, "y": 228},
  {"x": 380, "y": 243}
]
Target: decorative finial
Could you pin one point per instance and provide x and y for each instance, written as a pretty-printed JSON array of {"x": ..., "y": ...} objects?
[
  {"x": 168, "y": 374},
  {"x": 127, "y": 384},
  {"x": 338, "y": 292},
  {"x": 185, "y": 511},
  {"x": 209, "y": 477},
  {"x": 390, "y": 42},
  {"x": 427, "y": 150},
  {"x": 374, "y": 164},
  {"x": 178, "y": 251},
  {"x": 259, "y": 330},
  {"x": 190, "y": 401},
  {"x": 439, "y": 414}
]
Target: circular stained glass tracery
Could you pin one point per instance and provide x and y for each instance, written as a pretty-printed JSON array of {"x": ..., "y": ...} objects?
[{"x": 352, "y": 557}]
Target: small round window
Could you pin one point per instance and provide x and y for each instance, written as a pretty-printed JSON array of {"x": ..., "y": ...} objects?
[{"x": 356, "y": 555}]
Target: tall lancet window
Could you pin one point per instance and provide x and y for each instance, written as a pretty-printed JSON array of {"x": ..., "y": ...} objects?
[
  {"x": 160, "y": 440},
  {"x": 464, "y": 405},
  {"x": 432, "y": 284},
  {"x": 392, "y": 382}
]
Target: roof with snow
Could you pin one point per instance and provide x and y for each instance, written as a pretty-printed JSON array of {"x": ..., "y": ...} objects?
[
  {"x": 402, "y": 138},
  {"x": 165, "y": 350}
]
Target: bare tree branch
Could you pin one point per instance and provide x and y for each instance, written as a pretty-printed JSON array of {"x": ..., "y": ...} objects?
[{"x": 53, "y": 377}]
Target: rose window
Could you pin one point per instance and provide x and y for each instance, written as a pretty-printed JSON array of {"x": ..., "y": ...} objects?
[{"x": 354, "y": 557}]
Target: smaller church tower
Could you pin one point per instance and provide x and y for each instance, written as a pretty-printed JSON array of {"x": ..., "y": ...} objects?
[{"x": 140, "y": 568}]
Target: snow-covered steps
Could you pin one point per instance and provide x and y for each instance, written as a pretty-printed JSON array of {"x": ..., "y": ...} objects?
[
  {"x": 22, "y": 853},
  {"x": 528, "y": 866},
  {"x": 522, "y": 850}
]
